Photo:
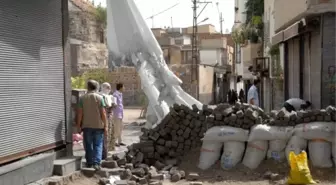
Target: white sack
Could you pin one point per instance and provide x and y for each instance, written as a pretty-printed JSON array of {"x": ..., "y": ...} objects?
[
  {"x": 320, "y": 153},
  {"x": 277, "y": 145},
  {"x": 210, "y": 153},
  {"x": 276, "y": 155},
  {"x": 233, "y": 154},
  {"x": 315, "y": 130},
  {"x": 295, "y": 144},
  {"x": 255, "y": 153},
  {"x": 276, "y": 149},
  {"x": 226, "y": 133},
  {"x": 333, "y": 148},
  {"x": 265, "y": 132}
]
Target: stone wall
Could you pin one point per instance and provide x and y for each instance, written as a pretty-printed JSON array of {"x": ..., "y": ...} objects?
[{"x": 88, "y": 42}]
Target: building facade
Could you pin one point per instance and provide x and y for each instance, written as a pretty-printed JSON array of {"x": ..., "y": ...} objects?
[
  {"x": 87, "y": 38},
  {"x": 215, "y": 60},
  {"x": 35, "y": 107},
  {"x": 305, "y": 32}
]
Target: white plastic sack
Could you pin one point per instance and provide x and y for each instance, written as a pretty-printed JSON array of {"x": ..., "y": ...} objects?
[
  {"x": 320, "y": 153},
  {"x": 333, "y": 148},
  {"x": 255, "y": 153},
  {"x": 315, "y": 130},
  {"x": 277, "y": 145},
  {"x": 226, "y": 133},
  {"x": 276, "y": 155},
  {"x": 263, "y": 132},
  {"x": 276, "y": 149},
  {"x": 295, "y": 144},
  {"x": 233, "y": 154},
  {"x": 210, "y": 153}
]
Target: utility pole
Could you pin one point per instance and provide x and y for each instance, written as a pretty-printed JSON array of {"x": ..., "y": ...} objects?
[
  {"x": 194, "y": 45},
  {"x": 221, "y": 19}
]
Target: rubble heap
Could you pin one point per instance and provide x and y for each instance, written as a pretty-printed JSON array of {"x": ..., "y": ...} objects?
[
  {"x": 241, "y": 115},
  {"x": 177, "y": 133},
  {"x": 284, "y": 118},
  {"x": 183, "y": 128}
]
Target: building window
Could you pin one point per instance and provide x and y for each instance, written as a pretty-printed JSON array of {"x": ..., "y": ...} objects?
[
  {"x": 102, "y": 36},
  {"x": 186, "y": 56},
  {"x": 238, "y": 54}
]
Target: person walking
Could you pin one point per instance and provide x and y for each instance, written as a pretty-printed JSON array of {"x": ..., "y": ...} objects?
[
  {"x": 109, "y": 140},
  {"x": 295, "y": 104},
  {"x": 118, "y": 114},
  {"x": 252, "y": 94},
  {"x": 91, "y": 119}
]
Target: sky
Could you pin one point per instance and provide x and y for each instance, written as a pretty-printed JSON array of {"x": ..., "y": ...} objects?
[{"x": 181, "y": 15}]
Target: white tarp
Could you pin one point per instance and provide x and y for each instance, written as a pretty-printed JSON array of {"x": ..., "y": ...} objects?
[{"x": 129, "y": 39}]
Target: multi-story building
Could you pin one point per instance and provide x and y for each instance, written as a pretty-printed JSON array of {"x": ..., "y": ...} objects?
[
  {"x": 215, "y": 53},
  {"x": 305, "y": 32}
]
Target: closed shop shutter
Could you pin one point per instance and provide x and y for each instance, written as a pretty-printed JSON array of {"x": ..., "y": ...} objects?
[{"x": 32, "y": 112}]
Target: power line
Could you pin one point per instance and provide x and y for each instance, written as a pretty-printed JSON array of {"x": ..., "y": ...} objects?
[{"x": 163, "y": 11}]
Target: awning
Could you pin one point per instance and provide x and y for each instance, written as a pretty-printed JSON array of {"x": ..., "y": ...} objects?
[
  {"x": 291, "y": 31},
  {"x": 287, "y": 34},
  {"x": 277, "y": 38}
]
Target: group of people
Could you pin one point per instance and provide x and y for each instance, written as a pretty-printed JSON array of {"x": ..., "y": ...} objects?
[
  {"x": 292, "y": 104},
  {"x": 99, "y": 117},
  {"x": 233, "y": 96}
]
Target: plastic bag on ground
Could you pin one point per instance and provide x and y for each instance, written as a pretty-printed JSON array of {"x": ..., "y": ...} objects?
[
  {"x": 255, "y": 153},
  {"x": 295, "y": 144},
  {"x": 210, "y": 153},
  {"x": 315, "y": 130},
  {"x": 226, "y": 133},
  {"x": 320, "y": 153},
  {"x": 299, "y": 169},
  {"x": 263, "y": 132},
  {"x": 232, "y": 154}
]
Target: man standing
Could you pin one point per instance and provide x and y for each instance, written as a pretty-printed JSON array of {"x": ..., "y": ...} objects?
[
  {"x": 92, "y": 120},
  {"x": 109, "y": 140},
  {"x": 295, "y": 104},
  {"x": 252, "y": 94},
  {"x": 118, "y": 114}
]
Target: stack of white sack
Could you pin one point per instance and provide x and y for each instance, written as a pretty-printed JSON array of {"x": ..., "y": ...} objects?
[
  {"x": 333, "y": 148},
  {"x": 277, "y": 137},
  {"x": 233, "y": 139},
  {"x": 320, "y": 135}
]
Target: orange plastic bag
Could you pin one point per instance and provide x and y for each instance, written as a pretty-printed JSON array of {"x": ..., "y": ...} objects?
[{"x": 299, "y": 172}]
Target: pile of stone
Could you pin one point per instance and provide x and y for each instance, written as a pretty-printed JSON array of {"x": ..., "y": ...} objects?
[
  {"x": 177, "y": 133},
  {"x": 284, "y": 118},
  {"x": 132, "y": 170},
  {"x": 240, "y": 115}
]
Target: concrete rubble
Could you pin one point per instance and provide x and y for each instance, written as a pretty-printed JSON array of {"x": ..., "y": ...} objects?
[{"x": 160, "y": 150}]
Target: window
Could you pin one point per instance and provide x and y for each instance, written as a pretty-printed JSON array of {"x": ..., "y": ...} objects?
[
  {"x": 102, "y": 36},
  {"x": 186, "y": 56},
  {"x": 238, "y": 52}
]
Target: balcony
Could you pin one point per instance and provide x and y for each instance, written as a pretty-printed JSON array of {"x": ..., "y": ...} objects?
[
  {"x": 287, "y": 12},
  {"x": 248, "y": 55}
]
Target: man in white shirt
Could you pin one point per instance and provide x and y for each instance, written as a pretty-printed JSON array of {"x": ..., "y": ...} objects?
[
  {"x": 252, "y": 94},
  {"x": 295, "y": 104}
]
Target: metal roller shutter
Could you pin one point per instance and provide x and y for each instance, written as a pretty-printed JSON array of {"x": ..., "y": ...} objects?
[{"x": 31, "y": 76}]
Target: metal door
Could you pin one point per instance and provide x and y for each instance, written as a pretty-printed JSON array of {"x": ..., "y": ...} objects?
[{"x": 32, "y": 115}]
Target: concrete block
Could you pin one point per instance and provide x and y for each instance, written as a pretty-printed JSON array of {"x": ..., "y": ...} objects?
[
  {"x": 27, "y": 170},
  {"x": 67, "y": 165}
]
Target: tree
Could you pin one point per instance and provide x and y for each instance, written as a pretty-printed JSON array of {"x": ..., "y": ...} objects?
[
  {"x": 254, "y": 8},
  {"x": 101, "y": 15}
]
